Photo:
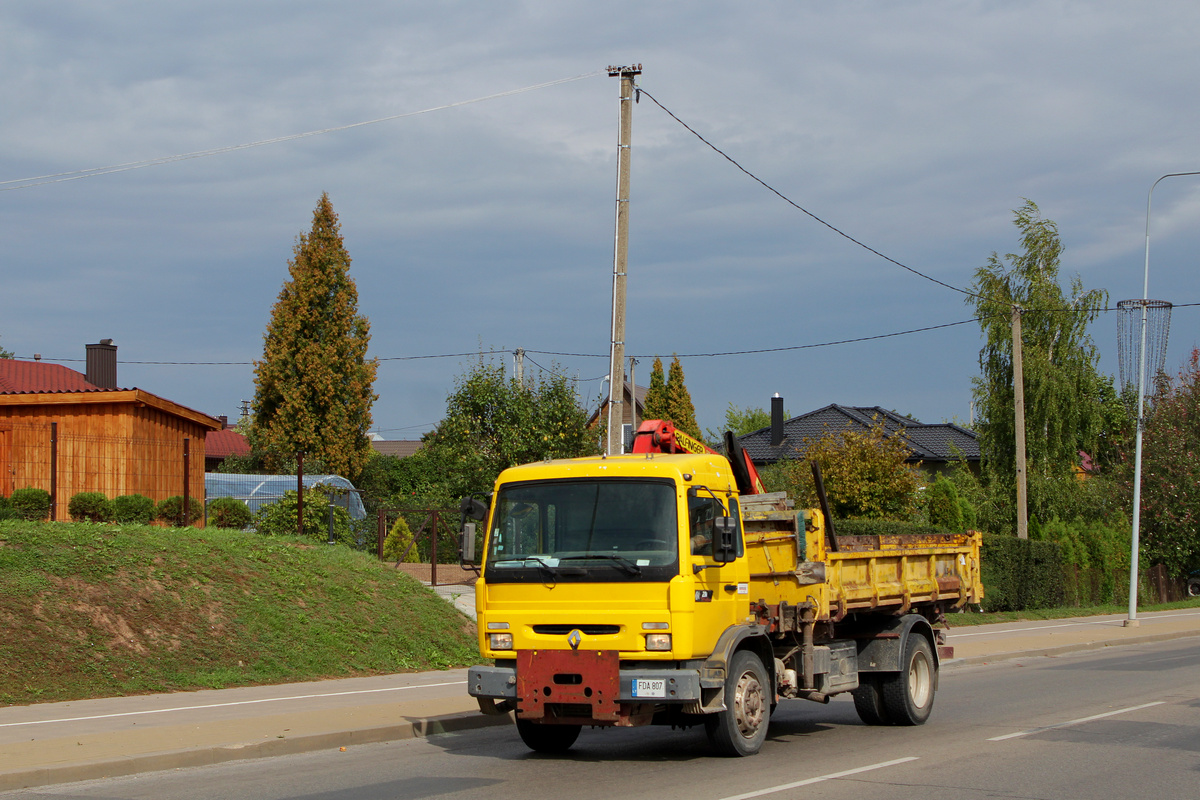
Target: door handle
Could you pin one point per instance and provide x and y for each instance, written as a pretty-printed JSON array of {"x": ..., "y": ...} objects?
[{"x": 730, "y": 587}]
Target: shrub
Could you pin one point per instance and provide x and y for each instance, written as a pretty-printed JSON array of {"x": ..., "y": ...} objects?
[
  {"x": 90, "y": 507},
  {"x": 171, "y": 512},
  {"x": 31, "y": 504},
  {"x": 229, "y": 512},
  {"x": 135, "y": 509},
  {"x": 1020, "y": 574},
  {"x": 279, "y": 518},
  {"x": 397, "y": 542},
  {"x": 943, "y": 506},
  {"x": 6, "y": 510}
]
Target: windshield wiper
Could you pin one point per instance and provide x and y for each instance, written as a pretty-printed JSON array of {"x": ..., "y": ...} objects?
[
  {"x": 542, "y": 566},
  {"x": 627, "y": 566}
]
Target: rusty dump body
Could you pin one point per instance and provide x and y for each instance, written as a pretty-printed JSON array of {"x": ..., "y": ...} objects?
[
  {"x": 791, "y": 563},
  {"x": 645, "y": 589}
]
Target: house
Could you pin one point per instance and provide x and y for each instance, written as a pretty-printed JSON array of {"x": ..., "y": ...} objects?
[
  {"x": 223, "y": 443},
  {"x": 67, "y": 432},
  {"x": 633, "y": 403},
  {"x": 400, "y": 448},
  {"x": 934, "y": 446}
]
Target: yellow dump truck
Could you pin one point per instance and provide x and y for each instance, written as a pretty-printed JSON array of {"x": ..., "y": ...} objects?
[{"x": 648, "y": 589}]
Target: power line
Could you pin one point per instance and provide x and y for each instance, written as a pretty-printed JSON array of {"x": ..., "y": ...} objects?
[
  {"x": 59, "y": 177},
  {"x": 561, "y": 354},
  {"x": 798, "y": 207}
]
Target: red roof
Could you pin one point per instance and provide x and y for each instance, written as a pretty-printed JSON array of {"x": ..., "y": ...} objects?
[
  {"x": 228, "y": 442},
  {"x": 18, "y": 377}
]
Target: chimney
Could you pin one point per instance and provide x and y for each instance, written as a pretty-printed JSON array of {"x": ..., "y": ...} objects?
[
  {"x": 224, "y": 420},
  {"x": 102, "y": 364},
  {"x": 776, "y": 420}
]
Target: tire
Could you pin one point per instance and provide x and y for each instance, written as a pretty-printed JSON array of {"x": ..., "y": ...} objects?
[
  {"x": 547, "y": 738},
  {"x": 908, "y": 694},
  {"x": 868, "y": 700},
  {"x": 741, "y": 728}
]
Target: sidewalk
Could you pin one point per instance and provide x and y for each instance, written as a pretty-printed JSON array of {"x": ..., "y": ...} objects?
[{"x": 83, "y": 740}]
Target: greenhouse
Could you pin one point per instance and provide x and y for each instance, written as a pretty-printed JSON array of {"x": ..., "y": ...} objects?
[{"x": 257, "y": 491}]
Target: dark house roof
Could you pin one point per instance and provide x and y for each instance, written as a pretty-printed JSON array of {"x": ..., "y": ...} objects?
[
  {"x": 20, "y": 377},
  {"x": 941, "y": 442}
]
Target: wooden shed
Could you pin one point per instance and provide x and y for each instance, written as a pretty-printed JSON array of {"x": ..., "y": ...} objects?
[{"x": 61, "y": 433}]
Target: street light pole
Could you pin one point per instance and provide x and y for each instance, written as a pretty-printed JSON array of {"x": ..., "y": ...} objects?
[{"x": 1132, "y": 621}]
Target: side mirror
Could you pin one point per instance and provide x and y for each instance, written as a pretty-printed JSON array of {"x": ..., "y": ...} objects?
[
  {"x": 466, "y": 543},
  {"x": 472, "y": 508},
  {"x": 725, "y": 541}
]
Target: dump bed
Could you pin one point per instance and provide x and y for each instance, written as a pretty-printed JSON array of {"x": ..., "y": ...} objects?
[{"x": 792, "y": 561}]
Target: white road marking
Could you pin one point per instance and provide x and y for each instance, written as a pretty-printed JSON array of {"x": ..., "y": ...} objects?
[
  {"x": 226, "y": 705},
  {"x": 955, "y": 634},
  {"x": 1075, "y": 721},
  {"x": 820, "y": 779}
]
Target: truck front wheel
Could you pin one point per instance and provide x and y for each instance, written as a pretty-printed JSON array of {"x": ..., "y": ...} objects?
[
  {"x": 547, "y": 738},
  {"x": 908, "y": 694},
  {"x": 741, "y": 728}
]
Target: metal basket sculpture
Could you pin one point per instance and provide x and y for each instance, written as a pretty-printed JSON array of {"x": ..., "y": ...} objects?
[{"x": 1157, "y": 315}]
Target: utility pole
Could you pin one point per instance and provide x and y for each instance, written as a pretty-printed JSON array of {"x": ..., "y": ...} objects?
[
  {"x": 616, "y": 372},
  {"x": 519, "y": 357},
  {"x": 1019, "y": 422},
  {"x": 633, "y": 394}
]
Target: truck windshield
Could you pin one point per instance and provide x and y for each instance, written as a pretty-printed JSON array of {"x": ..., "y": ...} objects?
[{"x": 584, "y": 530}]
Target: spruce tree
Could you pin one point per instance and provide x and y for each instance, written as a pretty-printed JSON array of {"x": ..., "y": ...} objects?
[
  {"x": 656, "y": 406},
  {"x": 679, "y": 401},
  {"x": 313, "y": 387}
]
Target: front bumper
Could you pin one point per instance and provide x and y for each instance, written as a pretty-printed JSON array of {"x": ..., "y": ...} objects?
[{"x": 678, "y": 685}]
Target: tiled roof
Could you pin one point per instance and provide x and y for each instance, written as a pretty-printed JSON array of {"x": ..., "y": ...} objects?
[
  {"x": 17, "y": 377},
  {"x": 935, "y": 442},
  {"x": 224, "y": 443},
  {"x": 400, "y": 448}
]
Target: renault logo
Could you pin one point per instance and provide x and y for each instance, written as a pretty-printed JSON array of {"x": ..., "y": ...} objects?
[{"x": 574, "y": 638}]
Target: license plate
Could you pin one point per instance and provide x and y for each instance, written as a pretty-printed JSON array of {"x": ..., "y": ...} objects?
[{"x": 644, "y": 687}]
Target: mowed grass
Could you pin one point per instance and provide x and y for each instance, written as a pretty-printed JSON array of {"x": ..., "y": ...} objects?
[
  {"x": 968, "y": 618},
  {"x": 92, "y": 610}
]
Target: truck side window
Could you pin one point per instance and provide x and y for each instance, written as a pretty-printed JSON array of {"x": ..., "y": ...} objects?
[{"x": 702, "y": 511}]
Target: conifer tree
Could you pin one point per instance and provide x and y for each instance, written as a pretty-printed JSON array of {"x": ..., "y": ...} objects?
[
  {"x": 656, "y": 405},
  {"x": 679, "y": 401},
  {"x": 313, "y": 387}
]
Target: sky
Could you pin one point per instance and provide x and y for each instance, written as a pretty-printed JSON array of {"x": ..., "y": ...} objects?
[{"x": 916, "y": 128}]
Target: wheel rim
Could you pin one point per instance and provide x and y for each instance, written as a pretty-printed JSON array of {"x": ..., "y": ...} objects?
[
  {"x": 920, "y": 679},
  {"x": 748, "y": 704}
]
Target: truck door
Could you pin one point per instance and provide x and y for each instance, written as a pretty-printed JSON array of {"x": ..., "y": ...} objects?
[{"x": 721, "y": 590}]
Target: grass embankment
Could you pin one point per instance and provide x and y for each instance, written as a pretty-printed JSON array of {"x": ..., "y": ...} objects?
[
  {"x": 986, "y": 618},
  {"x": 89, "y": 610}
]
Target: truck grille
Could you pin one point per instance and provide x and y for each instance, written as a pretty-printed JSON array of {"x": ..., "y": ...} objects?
[{"x": 590, "y": 630}]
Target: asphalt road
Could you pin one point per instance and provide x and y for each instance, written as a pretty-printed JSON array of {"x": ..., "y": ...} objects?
[{"x": 1115, "y": 723}]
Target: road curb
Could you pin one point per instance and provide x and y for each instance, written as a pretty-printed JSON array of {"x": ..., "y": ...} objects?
[
  {"x": 1067, "y": 648},
  {"x": 203, "y": 756}
]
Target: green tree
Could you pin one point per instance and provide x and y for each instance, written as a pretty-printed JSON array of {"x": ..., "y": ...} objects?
[
  {"x": 6, "y": 353},
  {"x": 1064, "y": 408},
  {"x": 656, "y": 404},
  {"x": 866, "y": 475},
  {"x": 313, "y": 387},
  {"x": 493, "y": 422},
  {"x": 743, "y": 421},
  {"x": 1171, "y": 474},
  {"x": 679, "y": 401}
]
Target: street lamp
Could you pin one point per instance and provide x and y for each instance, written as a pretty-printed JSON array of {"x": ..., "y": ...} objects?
[{"x": 1132, "y": 621}]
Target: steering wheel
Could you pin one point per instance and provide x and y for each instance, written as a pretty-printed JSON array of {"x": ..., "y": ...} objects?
[{"x": 651, "y": 544}]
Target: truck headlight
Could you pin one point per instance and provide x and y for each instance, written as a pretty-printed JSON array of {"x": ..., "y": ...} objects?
[
  {"x": 658, "y": 641},
  {"x": 500, "y": 641}
]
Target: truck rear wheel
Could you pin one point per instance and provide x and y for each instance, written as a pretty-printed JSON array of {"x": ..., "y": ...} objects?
[
  {"x": 908, "y": 694},
  {"x": 547, "y": 738},
  {"x": 741, "y": 728},
  {"x": 868, "y": 700}
]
